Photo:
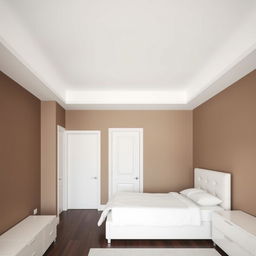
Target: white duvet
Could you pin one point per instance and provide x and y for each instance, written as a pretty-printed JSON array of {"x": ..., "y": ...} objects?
[{"x": 170, "y": 209}]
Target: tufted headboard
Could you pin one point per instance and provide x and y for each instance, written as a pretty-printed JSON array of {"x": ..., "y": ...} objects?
[{"x": 215, "y": 183}]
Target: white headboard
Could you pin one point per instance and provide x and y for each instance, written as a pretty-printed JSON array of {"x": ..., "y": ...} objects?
[{"x": 215, "y": 183}]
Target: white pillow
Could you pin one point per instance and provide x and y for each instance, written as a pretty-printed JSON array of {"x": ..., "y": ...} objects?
[
  {"x": 204, "y": 199},
  {"x": 190, "y": 191}
]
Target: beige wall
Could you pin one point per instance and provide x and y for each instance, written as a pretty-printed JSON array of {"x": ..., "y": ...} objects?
[
  {"x": 167, "y": 144},
  {"x": 60, "y": 115},
  {"x": 51, "y": 115},
  {"x": 19, "y": 153},
  {"x": 224, "y": 133},
  {"x": 225, "y": 139}
]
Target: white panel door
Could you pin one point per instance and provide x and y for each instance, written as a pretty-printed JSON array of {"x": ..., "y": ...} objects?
[
  {"x": 83, "y": 152},
  {"x": 125, "y": 160}
]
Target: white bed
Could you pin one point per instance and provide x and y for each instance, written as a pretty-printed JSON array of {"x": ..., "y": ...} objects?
[
  {"x": 165, "y": 216},
  {"x": 137, "y": 222}
]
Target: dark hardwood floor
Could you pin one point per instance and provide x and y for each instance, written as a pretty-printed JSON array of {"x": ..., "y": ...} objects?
[{"x": 78, "y": 232}]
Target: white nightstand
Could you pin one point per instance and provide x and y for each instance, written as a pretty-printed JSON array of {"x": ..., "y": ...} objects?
[{"x": 234, "y": 232}]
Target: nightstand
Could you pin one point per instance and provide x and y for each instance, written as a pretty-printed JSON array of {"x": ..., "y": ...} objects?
[{"x": 234, "y": 232}]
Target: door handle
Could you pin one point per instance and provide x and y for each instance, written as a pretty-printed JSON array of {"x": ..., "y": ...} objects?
[
  {"x": 136, "y": 178},
  {"x": 95, "y": 178}
]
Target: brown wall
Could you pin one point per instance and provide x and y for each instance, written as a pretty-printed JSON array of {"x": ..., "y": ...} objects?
[
  {"x": 19, "y": 153},
  {"x": 167, "y": 144},
  {"x": 224, "y": 133},
  {"x": 60, "y": 115},
  {"x": 225, "y": 138},
  {"x": 51, "y": 115}
]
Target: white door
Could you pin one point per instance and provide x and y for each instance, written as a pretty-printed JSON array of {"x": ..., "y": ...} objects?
[
  {"x": 125, "y": 160},
  {"x": 83, "y": 161},
  {"x": 61, "y": 165}
]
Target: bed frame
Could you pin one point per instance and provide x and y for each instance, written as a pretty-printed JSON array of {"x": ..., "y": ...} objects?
[{"x": 215, "y": 183}]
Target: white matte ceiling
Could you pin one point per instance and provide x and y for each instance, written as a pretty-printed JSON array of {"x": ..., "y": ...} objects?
[{"x": 135, "y": 52}]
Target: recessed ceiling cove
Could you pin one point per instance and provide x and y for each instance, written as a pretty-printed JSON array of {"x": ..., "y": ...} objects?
[{"x": 127, "y": 54}]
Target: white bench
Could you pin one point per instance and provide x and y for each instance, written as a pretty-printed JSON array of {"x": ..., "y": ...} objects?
[{"x": 30, "y": 237}]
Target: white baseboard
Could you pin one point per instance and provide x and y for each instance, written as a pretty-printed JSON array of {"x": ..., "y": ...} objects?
[{"x": 101, "y": 207}]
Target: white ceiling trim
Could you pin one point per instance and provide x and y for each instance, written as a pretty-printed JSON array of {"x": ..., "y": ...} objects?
[
  {"x": 25, "y": 77},
  {"x": 127, "y": 107},
  {"x": 22, "y": 59},
  {"x": 239, "y": 46},
  {"x": 134, "y": 100},
  {"x": 126, "y": 97},
  {"x": 20, "y": 43},
  {"x": 246, "y": 65}
]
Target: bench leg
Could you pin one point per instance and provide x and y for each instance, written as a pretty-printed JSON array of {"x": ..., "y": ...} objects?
[{"x": 109, "y": 241}]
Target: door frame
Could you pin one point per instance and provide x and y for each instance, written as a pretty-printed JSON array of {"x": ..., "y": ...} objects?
[
  {"x": 99, "y": 161},
  {"x": 110, "y": 130},
  {"x": 61, "y": 129}
]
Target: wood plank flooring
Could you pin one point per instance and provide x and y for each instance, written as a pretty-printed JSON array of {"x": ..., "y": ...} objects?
[{"x": 78, "y": 232}]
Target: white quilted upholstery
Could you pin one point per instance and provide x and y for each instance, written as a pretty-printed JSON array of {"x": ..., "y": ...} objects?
[{"x": 215, "y": 183}]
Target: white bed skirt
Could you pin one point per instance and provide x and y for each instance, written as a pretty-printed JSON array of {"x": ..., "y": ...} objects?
[{"x": 157, "y": 232}]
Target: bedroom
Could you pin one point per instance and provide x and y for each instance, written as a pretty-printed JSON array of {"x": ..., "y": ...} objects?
[{"x": 183, "y": 104}]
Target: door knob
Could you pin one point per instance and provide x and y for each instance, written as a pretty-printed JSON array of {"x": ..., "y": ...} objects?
[
  {"x": 95, "y": 178},
  {"x": 136, "y": 178}
]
